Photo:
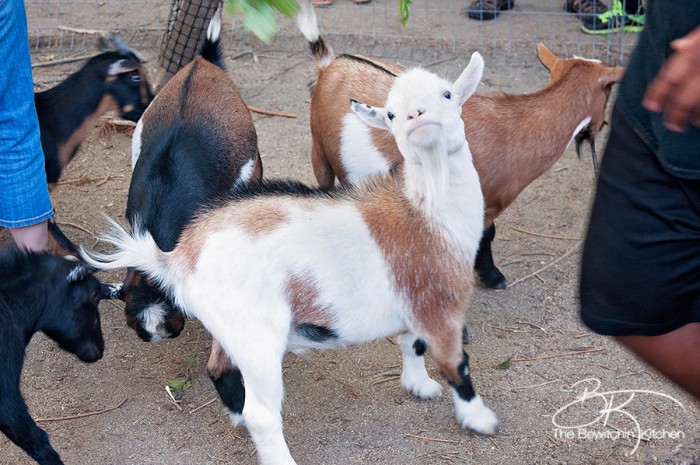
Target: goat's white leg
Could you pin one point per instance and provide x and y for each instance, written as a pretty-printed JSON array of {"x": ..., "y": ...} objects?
[
  {"x": 414, "y": 376},
  {"x": 446, "y": 349},
  {"x": 261, "y": 367}
]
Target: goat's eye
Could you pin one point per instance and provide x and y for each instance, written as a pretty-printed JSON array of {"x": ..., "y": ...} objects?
[
  {"x": 447, "y": 95},
  {"x": 390, "y": 115},
  {"x": 135, "y": 78}
]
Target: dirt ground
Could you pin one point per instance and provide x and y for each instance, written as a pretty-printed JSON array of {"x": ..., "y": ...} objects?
[{"x": 528, "y": 348}]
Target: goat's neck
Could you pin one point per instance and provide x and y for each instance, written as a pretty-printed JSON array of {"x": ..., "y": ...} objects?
[
  {"x": 28, "y": 321},
  {"x": 559, "y": 111},
  {"x": 454, "y": 202}
]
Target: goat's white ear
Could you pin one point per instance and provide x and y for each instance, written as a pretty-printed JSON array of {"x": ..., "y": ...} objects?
[
  {"x": 468, "y": 81},
  {"x": 371, "y": 116}
]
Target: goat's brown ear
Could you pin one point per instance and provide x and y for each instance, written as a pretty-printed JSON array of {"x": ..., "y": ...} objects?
[
  {"x": 547, "y": 58},
  {"x": 613, "y": 75},
  {"x": 122, "y": 47}
]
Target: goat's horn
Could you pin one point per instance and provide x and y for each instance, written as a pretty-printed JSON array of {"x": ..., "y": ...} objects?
[
  {"x": 79, "y": 273},
  {"x": 124, "y": 49}
]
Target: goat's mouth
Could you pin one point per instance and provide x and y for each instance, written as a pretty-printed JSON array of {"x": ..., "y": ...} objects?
[{"x": 423, "y": 126}]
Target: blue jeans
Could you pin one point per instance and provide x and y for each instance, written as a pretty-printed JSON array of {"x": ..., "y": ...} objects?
[{"x": 24, "y": 193}]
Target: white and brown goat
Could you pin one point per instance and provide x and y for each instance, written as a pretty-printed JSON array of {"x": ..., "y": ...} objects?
[
  {"x": 282, "y": 267},
  {"x": 514, "y": 138}
]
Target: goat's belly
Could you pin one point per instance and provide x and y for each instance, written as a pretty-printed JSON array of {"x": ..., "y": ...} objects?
[{"x": 303, "y": 337}]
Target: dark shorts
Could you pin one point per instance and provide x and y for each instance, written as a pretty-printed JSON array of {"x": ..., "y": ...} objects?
[{"x": 640, "y": 272}]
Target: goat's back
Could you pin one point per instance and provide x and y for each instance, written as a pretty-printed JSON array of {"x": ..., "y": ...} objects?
[{"x": 197, "y": 138}]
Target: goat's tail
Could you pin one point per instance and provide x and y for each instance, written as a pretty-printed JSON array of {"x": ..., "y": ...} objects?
[
  {"x": 137, "y": 250},
  {"x": 211, "y": 49},
  {"x": 306, "y": 22}
]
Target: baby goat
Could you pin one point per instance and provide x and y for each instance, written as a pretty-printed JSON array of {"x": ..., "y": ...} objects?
[
  {"x": 41, "y": 292},
  {"x": 281, "y": 266},
  {"x": 514, "y": 138}
]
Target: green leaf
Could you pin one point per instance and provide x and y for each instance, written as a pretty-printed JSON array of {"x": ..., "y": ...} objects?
[
  {"x": 286, "y": 7},
  {"x": 403, "y": 10},
  {"x": 505, "y": 364},
  {"x": 259, "y": 15},
  {"x": 180, "y": 384}
]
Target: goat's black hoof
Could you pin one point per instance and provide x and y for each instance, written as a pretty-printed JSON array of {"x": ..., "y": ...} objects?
[
  {"x": 465, "y": 335},
  {"x": 493, "y": 279}
]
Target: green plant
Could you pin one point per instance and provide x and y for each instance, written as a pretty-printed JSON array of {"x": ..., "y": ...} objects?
[
  {"x": 505, "y": 364},
  {"x": 259, "y": 15},
  {"x": 180, "y": 384}
]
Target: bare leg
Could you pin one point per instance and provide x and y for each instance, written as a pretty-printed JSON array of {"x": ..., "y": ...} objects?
[
  {"x": 414, "y": 376},
  {"x": 674, "y": 354},
  {"x": 446, "y": 349},
  {"x": 34, "y": 238}
]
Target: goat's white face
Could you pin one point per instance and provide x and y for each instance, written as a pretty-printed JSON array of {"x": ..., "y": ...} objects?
[{"x": 423, "y": 111}]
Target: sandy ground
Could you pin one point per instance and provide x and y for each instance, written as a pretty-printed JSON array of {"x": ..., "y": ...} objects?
[{"x": 346, "y": 406}]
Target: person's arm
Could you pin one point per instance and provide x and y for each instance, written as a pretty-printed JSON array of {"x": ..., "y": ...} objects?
[{"x": 675, "y": 91}]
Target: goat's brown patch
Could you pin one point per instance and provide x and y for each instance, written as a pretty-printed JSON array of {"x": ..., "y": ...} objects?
[
  {"x": 210, "y": 91},
  {"x": 192, "y": 238},
  {"x": 302, "y": 297},
  {"x": 428, "y": 269},
  {"x": 67, "y": 149},
  {"x": 256, "y": 218},
  {"x": 344, "y": 79},
  {"x": 252, "y": 217},
  {"x": 218, "y": 363}
]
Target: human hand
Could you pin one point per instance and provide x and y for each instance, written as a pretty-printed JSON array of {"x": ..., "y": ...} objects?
[{"x": 675, "y": 90}]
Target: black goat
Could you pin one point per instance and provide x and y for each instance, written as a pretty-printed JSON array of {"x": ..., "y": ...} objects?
[
  {"x": 42, "y": 292},
  {"x": 112, "y": 80}
]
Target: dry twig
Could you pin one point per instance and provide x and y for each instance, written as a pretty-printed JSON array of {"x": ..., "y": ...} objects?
[
  {"x": 507, "y": 329},
  {"x": 62, "y": 61},
  {"x": 271, "y": 113},
  {"x": 91, "y": 32},
  {"x": 531, "y": 324},
  {"x": 563, "y": 354},
  {"x": 520, "y": 388},
  {"x": 388, "y": 378},
  {"x": 81, "y": 415},
  {"x": 73, "y": 225},
  {"x": 428, "y": 439},
  {"x": 202, "y": 406},
  {"x": 548, "y": 236},
  {"x": 549, "y": 265}
]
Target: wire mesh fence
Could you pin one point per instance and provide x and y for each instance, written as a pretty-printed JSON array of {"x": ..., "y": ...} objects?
[{"x": 436, "y": 30}]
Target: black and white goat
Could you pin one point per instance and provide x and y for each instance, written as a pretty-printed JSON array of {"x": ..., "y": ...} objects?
[
  {"x": 282, "y": 267},
  {"x": 194, "y": 143},
  {"x": 515, "y": 138},
  {"x": 42, "y": 292},
  {"x": 112, "y": 80}
]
